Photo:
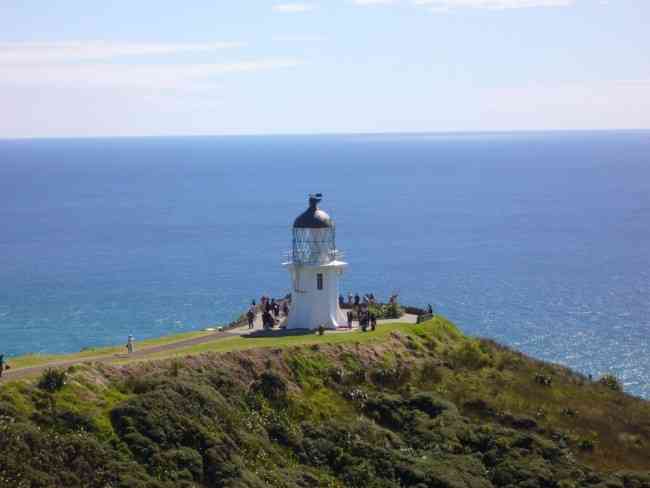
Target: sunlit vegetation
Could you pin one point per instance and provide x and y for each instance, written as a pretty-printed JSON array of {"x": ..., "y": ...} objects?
[{"x": 406, "y": 406}]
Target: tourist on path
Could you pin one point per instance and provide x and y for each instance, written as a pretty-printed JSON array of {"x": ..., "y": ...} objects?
[
  {"x": 130, "y": 345},
  {"x": 250, "y": 315},
  {"x": 267, "y": 320},
  {"x": 2, "y": 364},
  {"x": 363, "y": 321}
]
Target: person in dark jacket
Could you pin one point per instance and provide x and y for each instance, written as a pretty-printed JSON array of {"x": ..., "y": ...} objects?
[
  {"x": 268, "y": 320},
  {"x": 2, "y": 364}
]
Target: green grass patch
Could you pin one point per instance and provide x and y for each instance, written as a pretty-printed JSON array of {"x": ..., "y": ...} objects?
[{"x": 436, "y": 327}]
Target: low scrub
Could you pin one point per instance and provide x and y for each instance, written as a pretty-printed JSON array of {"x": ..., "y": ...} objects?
[
  {"x": 52, "y": 380},
  {"x": 381, "y": 415}
]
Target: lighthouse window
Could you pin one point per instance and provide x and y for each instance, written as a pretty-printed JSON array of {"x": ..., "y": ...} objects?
[{"x": 319, "y": 281}]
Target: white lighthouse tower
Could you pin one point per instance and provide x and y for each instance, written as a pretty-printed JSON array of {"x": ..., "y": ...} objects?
[{"x": 315, "y": 267}]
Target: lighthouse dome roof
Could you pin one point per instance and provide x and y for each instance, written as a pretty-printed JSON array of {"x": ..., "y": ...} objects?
[{"x": 313, "y": 217}]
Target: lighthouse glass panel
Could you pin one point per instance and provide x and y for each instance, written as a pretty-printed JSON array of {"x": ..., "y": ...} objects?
[{"x": 313, "y": 246}]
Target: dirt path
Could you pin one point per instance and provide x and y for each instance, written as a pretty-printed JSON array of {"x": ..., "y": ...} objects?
[{"x": 20, "y": 373}]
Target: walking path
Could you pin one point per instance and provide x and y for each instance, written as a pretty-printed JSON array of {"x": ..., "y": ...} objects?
[{"x": 20, "y": 373}]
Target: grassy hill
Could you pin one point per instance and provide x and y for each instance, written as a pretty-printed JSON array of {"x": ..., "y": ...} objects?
[{"x": 405, "y": 406}]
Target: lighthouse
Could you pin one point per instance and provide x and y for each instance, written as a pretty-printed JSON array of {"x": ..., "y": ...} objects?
[{"x": 315, "y": 267}]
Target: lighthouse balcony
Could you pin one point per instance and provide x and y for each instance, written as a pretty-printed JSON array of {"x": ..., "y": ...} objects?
[{"x": 311, "y": 258}]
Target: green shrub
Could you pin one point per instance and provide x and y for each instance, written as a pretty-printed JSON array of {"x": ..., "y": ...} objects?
[
  {"x": 586, "y": 445},
  {"x": 612, "y": 382},
  {"x": 391, "y": 377},
  {"x": 470, "y": 355},
  {"x": 430, "y": 404},
  {"x": 431, "y": 373},
  {"x": 386, "y": 311},
  {"x": 52, "y": 380},
  {"x": 272, "y": 386},
  {"x": 65, "y": 421}
]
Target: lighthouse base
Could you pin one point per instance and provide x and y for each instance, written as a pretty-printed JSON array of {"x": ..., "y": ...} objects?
[{"x": 314, "y": 299}]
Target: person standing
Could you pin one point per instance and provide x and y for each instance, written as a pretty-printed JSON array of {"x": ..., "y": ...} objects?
[
  {"x": 250, "y": 315},
  {"x": 130, "y": 344},
  {"x": 268, "y": 320},
  {"x": 2, "y": 364},
  {"x": 363, "y": 321}
]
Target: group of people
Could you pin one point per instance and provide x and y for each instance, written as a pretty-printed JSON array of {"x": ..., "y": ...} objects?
[
  {"x": 366, "y": 319},
  {"x": 368, "y": 299},
  {"x": 359, "y": 308},
  {"x": 356, "y": 300},
  {"x": 271, "y": 311}
]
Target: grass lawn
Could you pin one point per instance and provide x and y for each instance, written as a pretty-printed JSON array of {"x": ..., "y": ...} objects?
[
  {"x": 220, "y": 344},
  {"x": 243, "y": 343}
]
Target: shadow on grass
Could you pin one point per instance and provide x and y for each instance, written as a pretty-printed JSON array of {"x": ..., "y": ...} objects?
[{"x": 279, "y": 333}]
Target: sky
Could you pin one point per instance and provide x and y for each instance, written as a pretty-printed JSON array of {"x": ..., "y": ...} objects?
[{"x": 74, "y": 68}]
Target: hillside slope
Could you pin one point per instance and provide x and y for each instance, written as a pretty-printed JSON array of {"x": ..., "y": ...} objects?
[{"x": 424, "y": 406}]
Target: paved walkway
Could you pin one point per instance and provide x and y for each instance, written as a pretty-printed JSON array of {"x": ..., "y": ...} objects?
[{"x": 20, "y": 373}]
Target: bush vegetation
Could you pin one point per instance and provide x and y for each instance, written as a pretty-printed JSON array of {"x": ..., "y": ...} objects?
[
  {"x": 425, "y": 407},
  {"x": 52, "y": 380},
  {"x": 611, "y": 382},
  {"x": 386, "y": 310}
]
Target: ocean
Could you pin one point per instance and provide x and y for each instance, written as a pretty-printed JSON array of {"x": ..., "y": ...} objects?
[{"x": 537, "y": 240}]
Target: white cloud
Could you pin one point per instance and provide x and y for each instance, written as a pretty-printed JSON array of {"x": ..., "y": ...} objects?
[
  {"x": 292, "y": 8},
  {"x": 374, "y": 2},
  {"x": 442, "y": 5},
  {"x": 61, "y": 51},
  {"x": 128, "y": 75}
]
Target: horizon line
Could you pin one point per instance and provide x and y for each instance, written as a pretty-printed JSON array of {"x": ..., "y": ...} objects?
[{"x": 323, "y": 134}]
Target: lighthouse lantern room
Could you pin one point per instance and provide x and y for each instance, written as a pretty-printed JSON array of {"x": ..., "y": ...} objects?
[{"x": 315, "y": 267}]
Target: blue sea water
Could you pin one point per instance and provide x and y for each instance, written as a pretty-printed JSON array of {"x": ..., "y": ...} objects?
[{"x": 538, "y": 240}]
